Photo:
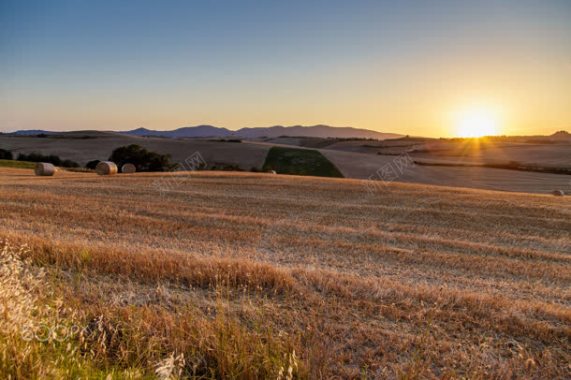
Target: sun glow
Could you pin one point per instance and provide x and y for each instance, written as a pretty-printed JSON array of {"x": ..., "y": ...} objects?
[{"x": 477, "y": 122}]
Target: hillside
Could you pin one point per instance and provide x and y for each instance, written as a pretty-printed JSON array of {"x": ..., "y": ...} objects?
[
  {"x": 346, "y": 156},
  {"x": 243, "y": 275},
  {"x": 561, "y": 136},
  {"x": 89, "y": 146},
  {"x": 83, "y": 147}
]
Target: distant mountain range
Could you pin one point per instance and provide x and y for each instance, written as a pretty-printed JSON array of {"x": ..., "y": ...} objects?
[
  {"x": 319, "y": 131},
  {"x": 30, "y": 132},
  {"x": 322, "y": 131},
  {"x": 197, "y": 131}
]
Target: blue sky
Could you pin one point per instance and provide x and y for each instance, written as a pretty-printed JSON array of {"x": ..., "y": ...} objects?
[{"x": 398, "y": 66}]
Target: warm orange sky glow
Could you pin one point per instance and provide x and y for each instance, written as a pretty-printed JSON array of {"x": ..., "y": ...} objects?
[{"x": 381, "y": 65}]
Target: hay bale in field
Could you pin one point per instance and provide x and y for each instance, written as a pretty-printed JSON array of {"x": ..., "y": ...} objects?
[
  {"x": 558, "y": 193},
  {"x": 45, "y": 169},
  {"x": 272, "y": 172},
  {"x": 128, "y": 168},
  {"x": 106, "y": 168}
]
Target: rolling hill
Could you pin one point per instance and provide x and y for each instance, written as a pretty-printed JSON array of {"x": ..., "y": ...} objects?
[{"x": 347, "y": 156}]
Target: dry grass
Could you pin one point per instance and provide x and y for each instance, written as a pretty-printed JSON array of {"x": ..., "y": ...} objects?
[{"x": 227, "y": 275}]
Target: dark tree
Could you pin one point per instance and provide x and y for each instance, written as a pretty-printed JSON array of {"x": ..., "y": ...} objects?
[
  {"x": 69, "y": 164},
  {"x": 52, "y": 159},
  {"x": 144, "y": 160},
  {"x": 92, "y": 164},
  {"x": 6, "y": 155}
]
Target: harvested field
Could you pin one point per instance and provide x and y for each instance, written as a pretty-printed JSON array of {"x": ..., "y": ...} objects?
[
  {"x": 360, "y": 165},
  {"x": 237, "y": 271}
]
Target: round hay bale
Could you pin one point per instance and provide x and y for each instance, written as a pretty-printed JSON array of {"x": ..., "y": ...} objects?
[
  {"x": 45, "y": 169},
  {"x": 128, "y": 168},
  {"x": 272, "y": 172},
  {"x": 558, "y": 193},
  {"x": 106, "y": 168}
]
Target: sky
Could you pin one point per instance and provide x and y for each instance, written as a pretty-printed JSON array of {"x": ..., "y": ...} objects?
[{"x": 414, "y": 67}]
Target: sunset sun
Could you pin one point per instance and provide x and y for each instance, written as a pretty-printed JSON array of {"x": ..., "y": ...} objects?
[{"x": 477, "y": 122}]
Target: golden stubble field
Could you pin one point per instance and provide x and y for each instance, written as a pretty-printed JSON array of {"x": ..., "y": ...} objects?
[{"x": 242, "y": 275}]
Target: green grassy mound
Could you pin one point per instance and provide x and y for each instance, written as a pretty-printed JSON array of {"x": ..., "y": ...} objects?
[
  {"x": 17, "y": 164},
  {"x": 300, "y": 162}
]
